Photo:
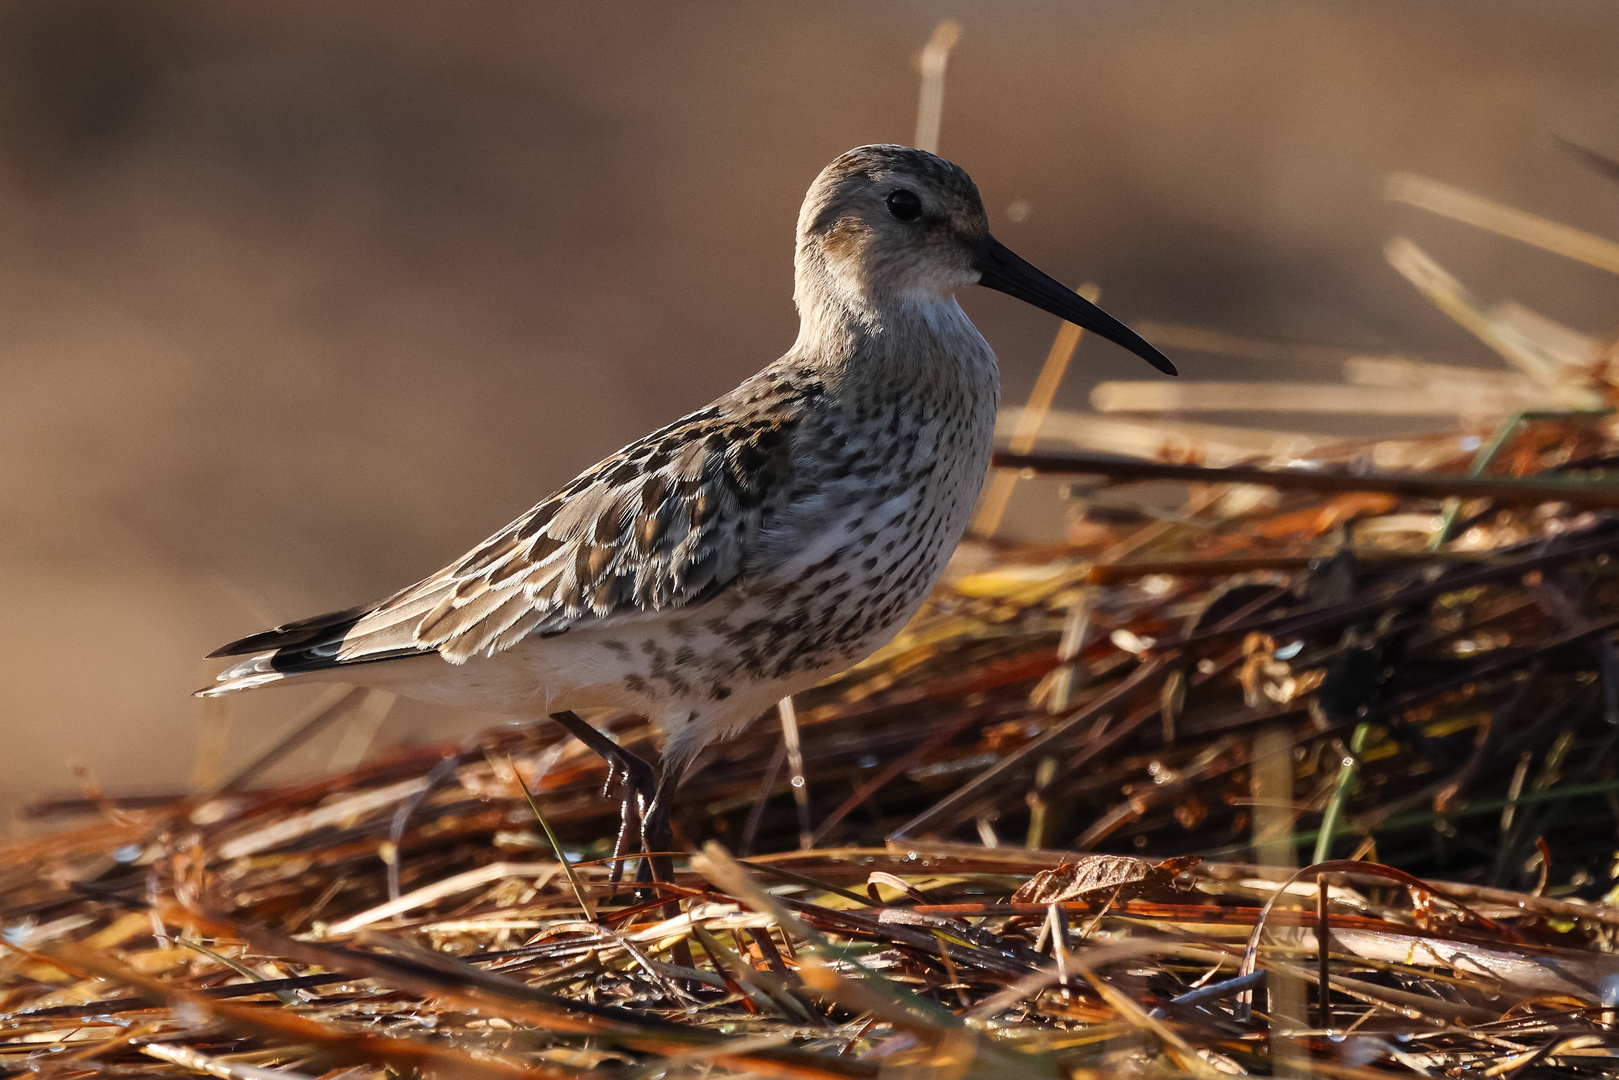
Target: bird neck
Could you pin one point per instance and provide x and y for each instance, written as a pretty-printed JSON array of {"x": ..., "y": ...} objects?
[{"x": 887, "y": 336}]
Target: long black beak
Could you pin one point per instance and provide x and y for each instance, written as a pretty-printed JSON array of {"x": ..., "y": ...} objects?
[{"x": 1005, "y": 271}]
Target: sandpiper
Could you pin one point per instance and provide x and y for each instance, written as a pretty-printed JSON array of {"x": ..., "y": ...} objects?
[{"x": 753, "y": 548}]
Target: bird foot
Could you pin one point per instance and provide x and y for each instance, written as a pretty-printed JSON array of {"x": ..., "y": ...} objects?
[{"x": 639, "y": 799}]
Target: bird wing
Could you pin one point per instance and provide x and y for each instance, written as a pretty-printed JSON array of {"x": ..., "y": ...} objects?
[{"x": 663, "y": 523}]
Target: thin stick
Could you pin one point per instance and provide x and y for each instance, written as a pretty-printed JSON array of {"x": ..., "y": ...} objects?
[
  {"x": 888, "y": 772},
  {"x": 1601, "y": 164},
  {"x": 361, "y": 731},
  {"x": 1476, "y": 210},
  {"x": 1202, "y": 339},
  {"x": 212, "y": 741},
  {"x": 1118, "y": 572},
  {"x": 1075, "y": 629},
  {"x": 1340, "y": 792},
  {"x": 930, "y": 109},
  {"x": 1323, "y": 973},
  {"x": 1540, "y": 360},
  {"x": 979, "y": 785},
  {"x": 1481, "y": 461},
  {"x": 327, "y": 708},
  {"x": 1334, "y": 399},
  {"x": 756, "y": 813},
  {"x": 993, "y": 508},
  {"x": 795, "y": 766},
  {"x": 1417, "y": 485},
  {"x": 1158, "y": 439},
  {"x": 438, "y": 890},
  {"x": 1273, "y": 797},
  {"x": 556, "y": 846},
  {"x": 196, "y": 1061}
]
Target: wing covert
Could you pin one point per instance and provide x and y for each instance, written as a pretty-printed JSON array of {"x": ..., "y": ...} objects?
[{"x": 663, "y": 523}]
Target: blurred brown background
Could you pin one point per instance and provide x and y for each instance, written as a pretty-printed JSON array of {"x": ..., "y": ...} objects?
[{"x": 297, "y": 301}]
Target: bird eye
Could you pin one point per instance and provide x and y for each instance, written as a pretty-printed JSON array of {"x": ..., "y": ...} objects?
[{"x": 904, "y": 204}]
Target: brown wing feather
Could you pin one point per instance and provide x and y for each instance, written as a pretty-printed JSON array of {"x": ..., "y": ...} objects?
[{"x": 662, "y": 523}]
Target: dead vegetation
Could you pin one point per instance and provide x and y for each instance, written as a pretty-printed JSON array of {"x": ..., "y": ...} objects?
[{"x": 1021, "y": 841}]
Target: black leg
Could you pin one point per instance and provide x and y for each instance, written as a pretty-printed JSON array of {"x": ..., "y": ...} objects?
[
  {"x": 656, "y": 835},
  {"x": 641, "y": 788},
  {"x": 631, "y": 804},
  {"x": 396, "y": 832}
]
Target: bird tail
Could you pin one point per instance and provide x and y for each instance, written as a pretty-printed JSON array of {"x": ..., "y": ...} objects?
[
  {"x": 321, "y": 648},
  {"x": 307, "y": 648},
  {"x": 253, "y": 672}
]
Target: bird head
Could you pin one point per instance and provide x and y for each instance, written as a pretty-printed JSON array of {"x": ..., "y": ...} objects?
[{"x": 888, "y": 225}]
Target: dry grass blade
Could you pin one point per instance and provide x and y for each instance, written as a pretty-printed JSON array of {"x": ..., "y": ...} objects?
[
  {"x": 1454, "y": 202},
  {"x": 187, "y": 1058},
  {"x": 795, "y": 769},
  {"x": 1507, "y": 492},
  {"x": 1236, "y": 397},
  {"x": 930, "y": 108},
  {"x": 556, "y": 845},
  {"x": 1160, "y": 439}
]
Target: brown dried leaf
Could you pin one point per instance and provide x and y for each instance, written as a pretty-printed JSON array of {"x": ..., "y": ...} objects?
[{"x": 1090, "y": 873}]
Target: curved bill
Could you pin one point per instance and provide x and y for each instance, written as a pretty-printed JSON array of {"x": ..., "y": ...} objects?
[{"x": 1005, "y": 271}]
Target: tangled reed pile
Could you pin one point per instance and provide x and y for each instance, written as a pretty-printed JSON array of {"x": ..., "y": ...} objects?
[{"x": 1056, "y": 829}]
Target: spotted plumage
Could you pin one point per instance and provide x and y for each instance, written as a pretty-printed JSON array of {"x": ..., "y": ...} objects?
[{"x": 757, "y": 545}]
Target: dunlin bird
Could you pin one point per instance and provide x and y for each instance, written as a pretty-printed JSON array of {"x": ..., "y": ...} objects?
[{"x": 750, "y": 549}]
